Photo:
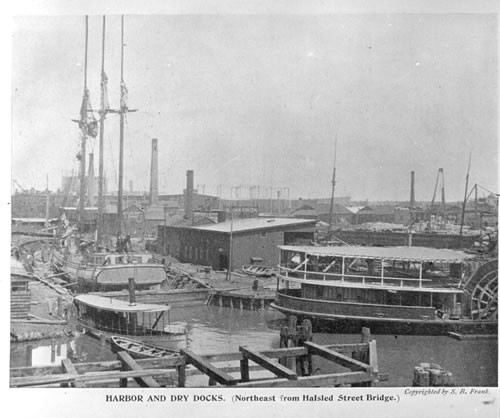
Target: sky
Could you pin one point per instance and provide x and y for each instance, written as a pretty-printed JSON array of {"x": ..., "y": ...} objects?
[{"x": 246, "y": 100}]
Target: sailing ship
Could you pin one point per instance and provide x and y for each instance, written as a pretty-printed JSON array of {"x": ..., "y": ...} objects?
[
  {"x": 98, "y": 270},
  {"x": 408, "y": 290}
]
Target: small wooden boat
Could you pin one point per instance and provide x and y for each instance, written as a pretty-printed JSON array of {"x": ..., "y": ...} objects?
[
  {"x": 138, "y": 349},
  {"x": 258, "y": 271}
]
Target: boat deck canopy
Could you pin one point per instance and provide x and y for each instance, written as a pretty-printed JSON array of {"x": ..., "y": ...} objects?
[
  {"x": 117, "y": 305},
  {"x": 423, "y": 254}
]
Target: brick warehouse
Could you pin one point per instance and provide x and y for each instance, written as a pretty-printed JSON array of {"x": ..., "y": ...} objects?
[{"x": 251, "y": 238}]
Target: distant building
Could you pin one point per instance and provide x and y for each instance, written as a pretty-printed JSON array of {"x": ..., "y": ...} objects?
[
  {"x": 375, "y": 214},
  {"x": 340, "y": 215},
  {"x": 250, "y": 238},
  {"x": 33, "y": 204}
]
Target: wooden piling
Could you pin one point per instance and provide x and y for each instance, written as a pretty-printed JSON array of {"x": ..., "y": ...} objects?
[
  {"x": 181, "y": 375},
  {"x": 245, "y": 373},
  {"x": 59, "y": 307}
]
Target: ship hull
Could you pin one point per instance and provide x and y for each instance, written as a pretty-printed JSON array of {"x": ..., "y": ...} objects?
[
  {"x": 327, "y": 316},
  {"x": 93, "y": 277}
]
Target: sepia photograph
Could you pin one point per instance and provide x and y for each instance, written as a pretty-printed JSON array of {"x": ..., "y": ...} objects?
[{"x": 263, "y": 199}]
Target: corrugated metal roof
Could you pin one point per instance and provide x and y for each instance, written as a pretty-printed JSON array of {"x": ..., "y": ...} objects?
[
  {"x": 249, "y": 224},
  {"x": 388, "y": 253},
  {"x": 117, "y": 305}
]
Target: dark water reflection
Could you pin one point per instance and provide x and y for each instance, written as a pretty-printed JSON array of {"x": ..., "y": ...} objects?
[{"x": 216, "y": 330}]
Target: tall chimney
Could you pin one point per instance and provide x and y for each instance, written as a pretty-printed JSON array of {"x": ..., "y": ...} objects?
[
  {"x": 153, "y": 186},
  {"x": 412, "y": 191},
  {"x": 188, "y": 201},
  {"x": 91, "y": 181}
]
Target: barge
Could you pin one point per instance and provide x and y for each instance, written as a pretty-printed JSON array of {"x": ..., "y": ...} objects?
[{"x": 406, "y": 290}]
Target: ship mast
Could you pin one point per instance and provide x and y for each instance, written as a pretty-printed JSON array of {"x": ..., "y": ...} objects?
[
  {"x": 102, "y": 112},
  {"x": 122, "y": 111},
  {"x": 465, "y": 197},
  {"x": 330, "y": 216},
  {"x": 83, "y": 128}
]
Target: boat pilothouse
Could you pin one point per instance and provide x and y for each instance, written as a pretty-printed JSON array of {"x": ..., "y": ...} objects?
[{"x": 390, "y": 289}]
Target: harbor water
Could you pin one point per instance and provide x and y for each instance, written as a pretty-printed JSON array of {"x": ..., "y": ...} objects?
[{"x": 220, "y": 330}]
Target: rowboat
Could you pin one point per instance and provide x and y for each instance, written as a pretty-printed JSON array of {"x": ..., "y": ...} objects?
[
  {"x": 258, "y": 271},
  {"x": 138, "y": 349}
]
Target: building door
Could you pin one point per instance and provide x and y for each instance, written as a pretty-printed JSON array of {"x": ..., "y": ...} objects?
[{"x": 223, "y": 262}]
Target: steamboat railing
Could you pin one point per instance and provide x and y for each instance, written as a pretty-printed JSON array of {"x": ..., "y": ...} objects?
[{"x": 327, "y": 278}]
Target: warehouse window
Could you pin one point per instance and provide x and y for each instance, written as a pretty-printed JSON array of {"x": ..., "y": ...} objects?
[{"x": 263, "y": 234}]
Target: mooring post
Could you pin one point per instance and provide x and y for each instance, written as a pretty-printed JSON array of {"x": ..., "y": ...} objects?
[
  {"x": 364, "y": 354},
  {"x": 245, "y": 372},
  {"x": 291, "y": 362},
  {"x": 365, "y": 335},
  {"x": 123, "y": 382},
  {"x": 283, "y": 341},
  {"x": 181, "y": 376},
  {"x": 212, "y": 382},
  {"x": 307, "y": 336}
]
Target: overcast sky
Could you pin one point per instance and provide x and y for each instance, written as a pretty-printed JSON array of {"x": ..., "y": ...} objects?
[{"x": 259, "y": 100}]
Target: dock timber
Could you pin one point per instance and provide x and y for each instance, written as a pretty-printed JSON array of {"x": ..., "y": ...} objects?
[{"x": 360, "y": 360}]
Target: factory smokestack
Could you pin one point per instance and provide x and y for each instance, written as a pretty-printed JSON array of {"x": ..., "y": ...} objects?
[
  {"x": 412, "y": 191},
  {"x": 153, "y": 186},
  {"x": 188, "y": 201}
]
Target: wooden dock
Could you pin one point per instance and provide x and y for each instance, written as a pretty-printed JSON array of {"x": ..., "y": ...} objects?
[{"x": 359, "y": 360}]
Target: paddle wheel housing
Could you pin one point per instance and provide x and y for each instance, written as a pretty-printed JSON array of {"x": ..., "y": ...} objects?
[{"x": 483, "y": 289}]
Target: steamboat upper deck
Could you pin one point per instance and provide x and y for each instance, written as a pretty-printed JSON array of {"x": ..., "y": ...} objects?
[{"x": 412, "y": 268}]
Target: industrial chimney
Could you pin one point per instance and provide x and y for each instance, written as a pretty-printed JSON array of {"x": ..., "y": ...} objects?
[
  {"x": 153, "y": 186},
  {"x": 188, "y": 200},
  {"x": 412, "y": 191}
]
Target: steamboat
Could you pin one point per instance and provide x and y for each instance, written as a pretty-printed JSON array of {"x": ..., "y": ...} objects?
[{"x": 407, "y": 290}]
